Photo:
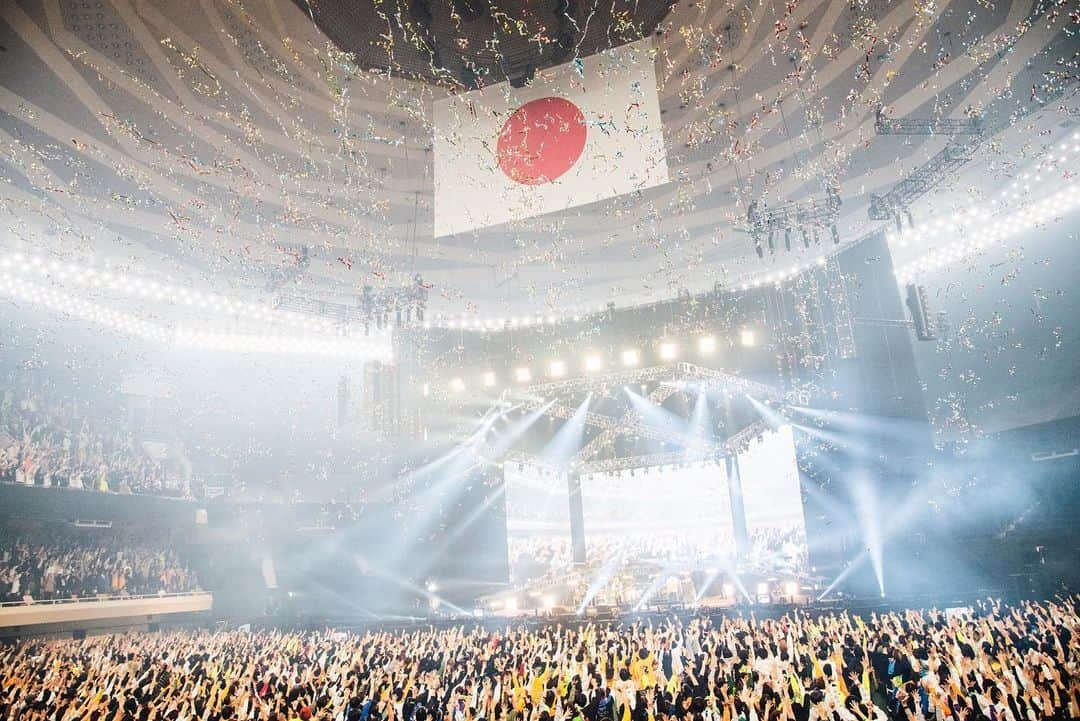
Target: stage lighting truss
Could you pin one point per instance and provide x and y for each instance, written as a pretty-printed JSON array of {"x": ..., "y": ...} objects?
[
  {"x": 708, "y": 379},
  {"x": 1038, "y": 195},
  {"x": 711, "y": 454},
  {"x": 527, "y": 459},
  {"x": 954, "y": 155},
  {"x": 672, "y": 379},
  {"x": 677, "y": 373},
  {"x": 814, "y": 214},
  {"x": 926, "y": 126},
  {"x": 595, "y": 383},
  {"x": 714, "y": 454},
  {"x": 374, "y": 309},
  {"x": 607, "y": 423},
  {"x": 922, "y": 180}
]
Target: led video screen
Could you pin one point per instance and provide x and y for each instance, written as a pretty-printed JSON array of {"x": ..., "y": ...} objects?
[
  {"x": 662, "y": 513},
  {"x": 683, "y": 516},
  {"x": 772, "y": 504},
  {"x": 537, "y": 522},
  {"x": 686, "y": 515}
]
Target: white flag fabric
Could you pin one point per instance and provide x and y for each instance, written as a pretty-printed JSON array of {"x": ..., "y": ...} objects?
[{"x": 579, "y": 133}]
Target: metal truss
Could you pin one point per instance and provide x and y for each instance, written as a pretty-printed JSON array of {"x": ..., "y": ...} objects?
[
  {"x": 538, "y": 394},
  {"x": 794, "y": 213},
  {"x": 399, "y": 307},
  {"x": 629, "y": 420},
  {"x": 715, "y": 380},
  {"x": 607, "y": 423},
  {"x": 529, "y": 459},
  {"x": 927, "y": 126},
  {"x": 922, "y": 180},
  {"x": 649, "y": 460},
  {"x": 672, "y": 378},
  {"x": 595, "y": 383},
  {"x": 806, "y": 216},
  {"x": 926, "y": 177},
  {"x": 705, "y": 454}
]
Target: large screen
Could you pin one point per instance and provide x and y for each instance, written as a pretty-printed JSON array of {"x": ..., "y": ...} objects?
[
  {"x": 772, "y": 504},
  {"x": 683, "y": 517},
  {"x": 663, "y": 513},
  {"x": 537, "y": 521}
]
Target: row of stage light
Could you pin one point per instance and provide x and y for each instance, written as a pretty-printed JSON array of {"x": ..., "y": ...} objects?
[
  {"x": 667, "y": 351},
  {"x": 122, "y": 283},
  {"x": 1042, "y": 194},
  {"x": 312, "y": 342},
  {"x": 764, "y": 593}
]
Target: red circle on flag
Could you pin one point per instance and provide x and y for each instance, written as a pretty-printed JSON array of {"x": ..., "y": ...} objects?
[{"x": 541, "y": 140}]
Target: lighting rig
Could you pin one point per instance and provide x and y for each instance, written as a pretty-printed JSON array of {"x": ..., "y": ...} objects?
[
  {"x": 278, "y": 277},
  {"x": 926, "y": 126},
  {"x": 954, "y": 155},
  {"x": 809, "y": 217},
  {"x": 671, "y": 378},
  {"x": 609, "y": 424},
  {"x": 921, "y": 181},
  {"x": 733, "y": 445},
  {"x": 401, "y": 307},
  {"x": 675, "y": 376}
]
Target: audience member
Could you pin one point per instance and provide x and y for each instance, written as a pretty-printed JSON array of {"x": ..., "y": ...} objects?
[
  {"x": 55, "y": 562},
  {"x": 1000, "y": 663},
  {"x": 46, "y": 441}
]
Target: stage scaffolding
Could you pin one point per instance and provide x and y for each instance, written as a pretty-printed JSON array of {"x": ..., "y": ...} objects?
[{"x": 672, "y": 378}]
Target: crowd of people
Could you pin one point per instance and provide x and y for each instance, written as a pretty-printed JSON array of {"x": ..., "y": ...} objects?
[
  {"x": 47, "y": 440},
  {"x": 52, "y": 562},
  {"x": 1003, "y": 663}
]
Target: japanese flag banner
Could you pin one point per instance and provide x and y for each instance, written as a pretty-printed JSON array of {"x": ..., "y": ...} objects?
[{"x": 577, "y": 134}]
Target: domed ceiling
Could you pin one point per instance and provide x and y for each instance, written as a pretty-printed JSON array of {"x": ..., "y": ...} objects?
[{"x": 267, "y": 147}]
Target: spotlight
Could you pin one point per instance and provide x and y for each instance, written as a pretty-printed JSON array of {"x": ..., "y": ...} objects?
[
  {"x": 489, "y": 379},
  {"x": 746, "y": 338},
  {"x": 522, "y": 375},
  {"x": 457, "y": 385},
  {"x": 706, "y": 344},
  {"x": 593, "y": 363},
  {"x": 557, "y": 369},
  {"x": 432, "y": 586},
  {"x": 668, "y": 351},
  {"x": 630, "y": 358}
]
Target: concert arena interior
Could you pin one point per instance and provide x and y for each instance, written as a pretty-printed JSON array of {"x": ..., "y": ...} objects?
[{"x": 552, "y": 360}]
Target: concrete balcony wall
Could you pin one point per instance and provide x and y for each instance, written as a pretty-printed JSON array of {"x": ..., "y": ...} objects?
[{"x": 111, "y": 613}]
